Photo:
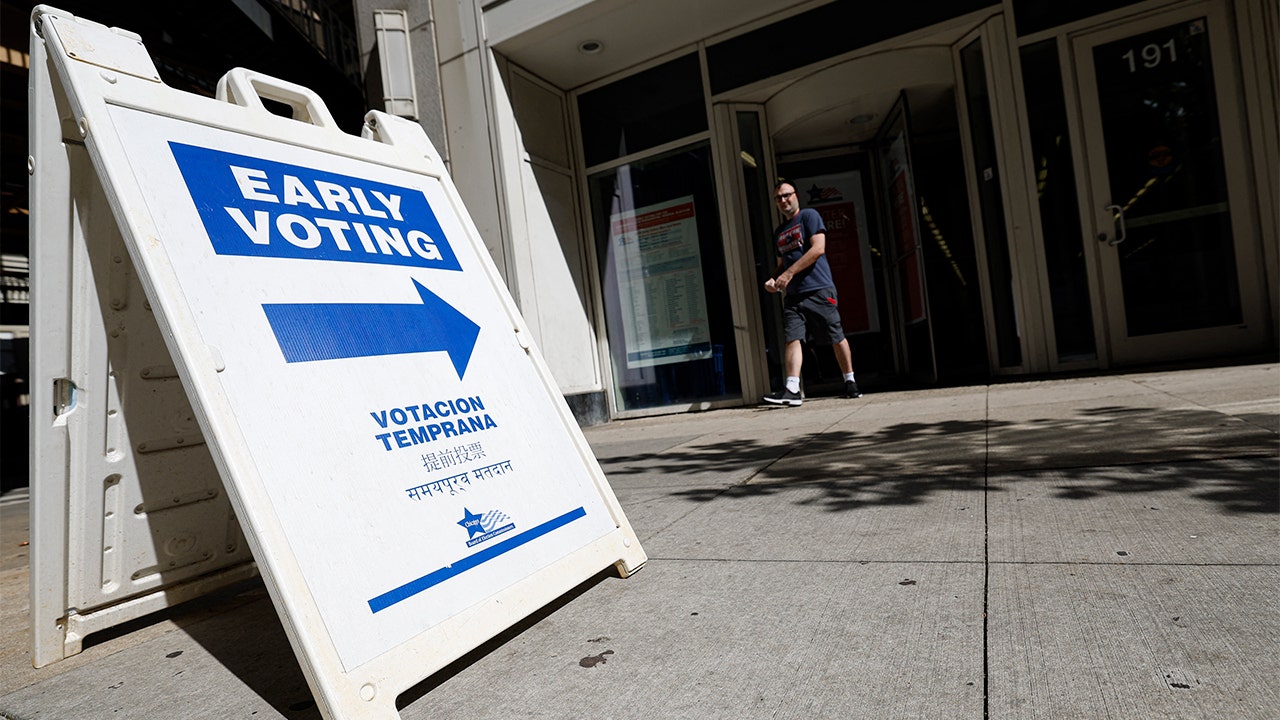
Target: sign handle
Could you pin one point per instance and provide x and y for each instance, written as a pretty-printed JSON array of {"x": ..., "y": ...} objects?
[{"x": 247, "y": 89}]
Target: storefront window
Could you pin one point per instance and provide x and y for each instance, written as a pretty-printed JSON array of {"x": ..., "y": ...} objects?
[
  {"x": 666, "y": 292},
  {"x": 652, "y": 107}
]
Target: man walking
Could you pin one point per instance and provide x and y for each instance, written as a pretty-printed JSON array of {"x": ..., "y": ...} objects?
[{"x": 803, "y": 276}]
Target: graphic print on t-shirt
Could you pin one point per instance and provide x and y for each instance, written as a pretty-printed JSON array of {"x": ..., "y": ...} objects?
[{"x": 791, "y": 239}]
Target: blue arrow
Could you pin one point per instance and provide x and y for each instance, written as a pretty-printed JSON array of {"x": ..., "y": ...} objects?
[{"x": 328, "y": 331}]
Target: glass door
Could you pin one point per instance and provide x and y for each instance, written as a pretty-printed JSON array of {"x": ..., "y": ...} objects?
[
  {"x": 906, "y": 256},
  {"x": 1168, "y": 199},
  {"x": 752, "y": 198}
]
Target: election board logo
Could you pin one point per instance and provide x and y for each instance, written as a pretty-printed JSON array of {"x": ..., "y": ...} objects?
[
  {"x": 824, "y": 194},
  {"x": 484, "y": 527},
  {"x": 479, "y": 528},
  {"x": 260, "y": 208}
]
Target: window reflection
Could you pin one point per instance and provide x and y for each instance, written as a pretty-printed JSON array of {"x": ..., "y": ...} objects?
[{"x": 666, "y": 294}]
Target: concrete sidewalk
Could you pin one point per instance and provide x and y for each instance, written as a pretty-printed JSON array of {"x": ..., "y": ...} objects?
[{"x": 1103, "y": 547}]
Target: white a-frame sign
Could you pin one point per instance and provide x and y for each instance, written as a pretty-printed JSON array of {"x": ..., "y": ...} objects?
[{"x": 310, "y": 316}]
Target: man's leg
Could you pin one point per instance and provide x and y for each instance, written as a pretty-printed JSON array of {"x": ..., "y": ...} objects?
[
  {"x": 793, "y": 358},
  {"x": 844, "y": 356}
]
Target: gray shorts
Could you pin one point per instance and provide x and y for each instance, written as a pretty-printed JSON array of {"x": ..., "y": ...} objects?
[{"x": 817, "y": 310}]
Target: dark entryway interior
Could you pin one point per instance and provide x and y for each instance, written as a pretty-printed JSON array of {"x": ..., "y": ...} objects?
[{"x": 955, "y": 333}]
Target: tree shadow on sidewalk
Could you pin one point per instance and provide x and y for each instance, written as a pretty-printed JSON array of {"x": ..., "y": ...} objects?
[{"x": 905, "y": 463}]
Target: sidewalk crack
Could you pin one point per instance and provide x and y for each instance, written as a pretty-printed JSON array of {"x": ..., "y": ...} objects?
[{"x": 986, "y": 558}]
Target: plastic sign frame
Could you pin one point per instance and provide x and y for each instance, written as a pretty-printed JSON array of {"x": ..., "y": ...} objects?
[{"x": 403, "y": 466}]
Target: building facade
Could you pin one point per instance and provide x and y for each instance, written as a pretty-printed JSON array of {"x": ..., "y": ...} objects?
[
  {"x": 193, "y": 44},
  {"x": 1009, "y": 188}
]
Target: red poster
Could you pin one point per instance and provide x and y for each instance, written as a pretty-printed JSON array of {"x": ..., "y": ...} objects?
[
  {"x": 838, "y": 198},
  {"x": 904, "y": 227},
  {"x": 845, "y": 257}
]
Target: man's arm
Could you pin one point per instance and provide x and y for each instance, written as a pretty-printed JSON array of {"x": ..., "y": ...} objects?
[
  {"x": 771, "y": 284},
  {"x": 817, "y": 248}
]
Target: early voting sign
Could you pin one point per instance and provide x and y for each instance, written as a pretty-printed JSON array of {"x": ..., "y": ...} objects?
[{"x": 400, "y": 460}]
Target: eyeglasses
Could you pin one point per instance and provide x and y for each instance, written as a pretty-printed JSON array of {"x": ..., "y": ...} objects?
[{"x": 784, "y": 196}]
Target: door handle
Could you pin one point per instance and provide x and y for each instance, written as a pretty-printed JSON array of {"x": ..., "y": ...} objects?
[{"x": 1121, "y": 232}]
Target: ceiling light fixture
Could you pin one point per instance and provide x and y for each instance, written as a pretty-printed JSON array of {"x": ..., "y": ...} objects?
[{"x": 590, "y": 47}]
